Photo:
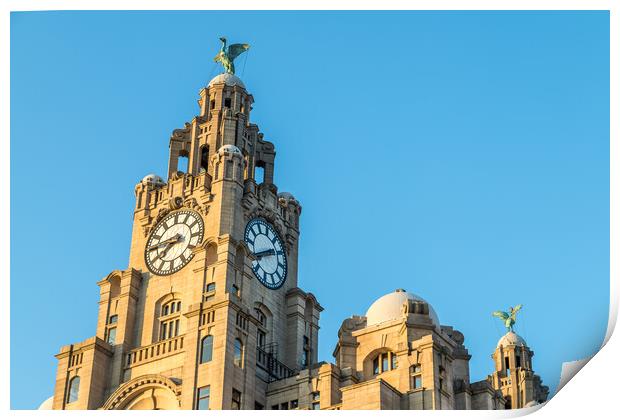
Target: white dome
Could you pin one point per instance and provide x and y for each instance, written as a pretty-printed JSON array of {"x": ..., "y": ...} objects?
[
  {"x": 511, "y": 339},
  {"x": 228, "y": 79},
  {"x": 230, "y": 148},
  {"x": 153, "y": 179},
  {"x": 390, "y": 307},
  {"x": 47, "y": 404}
]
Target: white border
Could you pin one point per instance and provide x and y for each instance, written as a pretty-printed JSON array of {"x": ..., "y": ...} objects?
[{"x": 593, "y": 395}]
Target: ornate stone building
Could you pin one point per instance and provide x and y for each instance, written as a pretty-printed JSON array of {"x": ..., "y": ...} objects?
[{"x": 209, "y": 315}]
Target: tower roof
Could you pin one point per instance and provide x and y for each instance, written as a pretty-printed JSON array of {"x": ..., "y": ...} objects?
[
  {"x": 390, "y": 307},
  {"x": 511, "y": 339},
  {"x": 228, "y": 79}
]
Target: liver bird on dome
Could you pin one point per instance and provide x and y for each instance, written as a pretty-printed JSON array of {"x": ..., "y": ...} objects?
[
  {"x": 509, "y": 318},
  {"x": 227, "y": 56}
]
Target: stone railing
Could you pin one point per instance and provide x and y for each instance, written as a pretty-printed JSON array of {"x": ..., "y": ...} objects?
[
  {"x": 275, "y": 369},
  {"x": 154, "y": 351}
]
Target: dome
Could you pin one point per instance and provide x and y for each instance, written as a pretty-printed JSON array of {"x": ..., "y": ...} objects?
[
  {"x": 228, "y": 79},
  {"x": 511, "y": 339},
  {"x": 390, "y": 307},
  {"x": 47, "y": 404},
  {"x": 153, "y": 179},
  {"x": 229, "y": 149},
  {"x": 286, "y": 195}
]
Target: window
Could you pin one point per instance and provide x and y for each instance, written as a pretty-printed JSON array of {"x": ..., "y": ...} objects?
[
  {"x": 507, "y": 362},
  {"x": 210, "y": 287},
  {"x": 259, "y": 174},
  {"x": 113, "y": 319},
  {"x": 169, "y": 320},
  {"x": 384, "y": 362},
  {"x": 202, "y": 402},
  {"x": 316, "y": 404},
  {"x": 258, "y": 406},
  {"x": 518, "y": 362},
  {"x": 416, "y": 376},
  {"x": 235, "y": 290},
  {"x": 227, "y": 103},
  {"x": 261, "y": 338},
  {"x": 394, "y": 361},
  {"x": 294, "y": 404},
  {"x": 236, "y": 400},
  {"x": 74, "y": 389},
  {"x": 111, "y": 335},
  {"x": 275, "y": 407},
  {"x": 206, "y": 349},
  {"x": 284, "y": 406},
  {"x": 183, "y": 164},
  {"x": 238, "y": 355},
  {"x": 204, "y": 158}
]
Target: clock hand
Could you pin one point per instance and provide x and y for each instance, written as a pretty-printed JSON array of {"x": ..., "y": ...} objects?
[
  {"x": 265, "y": 253},
  {"x": 167, "y": 241}
]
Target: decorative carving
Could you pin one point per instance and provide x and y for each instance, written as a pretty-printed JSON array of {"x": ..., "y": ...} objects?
[{"x": 175, "y": 203}]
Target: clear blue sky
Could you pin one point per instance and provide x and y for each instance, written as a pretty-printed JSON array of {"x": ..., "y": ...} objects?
[{"x": 463, "y": 156}]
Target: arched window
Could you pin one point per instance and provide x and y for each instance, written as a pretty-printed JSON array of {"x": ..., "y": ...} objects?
[
  {"x": 169, "y": 320},
  {"x": 261, "y": 334},
  {"x": 204, "y": 158},
  {"x": 206, "y": 349},
  {"x": 74, "y": 389},
  {"x": 384, "y": 362},
  {"x": 238, "y": 355}
]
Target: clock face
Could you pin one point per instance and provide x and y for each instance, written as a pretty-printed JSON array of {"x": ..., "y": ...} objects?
[
  {"x": 170, "y": 246},
  {"x": 269, "y": 265}
]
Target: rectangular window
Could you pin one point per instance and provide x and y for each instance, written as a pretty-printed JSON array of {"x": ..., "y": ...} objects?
[
  {"x": 113, "y": 319},
  {"x": 394, "y": 361},
  {"x": 202, "y": 402},
  {"x": 275, "y": 407},
  {"x": 284, "y": 406},
  {"x": 316, "y": 396},
  {"x": 227, "y": 103},
  {"x": 211, "y": 287},
  {"x": 258, "y": 406},
  {"x": 375, "y": 366},
  {"x": 507, "y": 362},
  {"x": 316, "y": 405},
  {"x": 235, "y": 290},
  {"x": 384, "y": 363},
  {"x": 112, "y": 335},
  {"x": 518, "y": 361},
  {"x": 236, "y": 400},
  {"x": 294, "y": 404},
  {"x": 417, "y": 382},
  {"x": 261, "y": 338}
]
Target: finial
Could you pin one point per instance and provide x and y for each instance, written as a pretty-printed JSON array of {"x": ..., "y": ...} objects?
[
  {"x": 227, "y": 56},
  {"x": 509, "y": 317}
]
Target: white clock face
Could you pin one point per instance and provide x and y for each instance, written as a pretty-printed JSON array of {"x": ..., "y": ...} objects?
[
  {"x": 170, "y": 246},
  {"x": 270, "y": 264}
]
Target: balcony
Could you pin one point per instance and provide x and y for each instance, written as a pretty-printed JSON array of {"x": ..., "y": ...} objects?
[
  {"x": 271, "y": 366},
  {"x": 154, "y": 351}
]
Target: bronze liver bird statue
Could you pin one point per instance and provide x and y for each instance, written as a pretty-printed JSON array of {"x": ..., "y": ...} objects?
[{"x": 227, "y": 56}]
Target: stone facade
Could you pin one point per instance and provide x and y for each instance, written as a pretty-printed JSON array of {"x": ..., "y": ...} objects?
[{"x": 209, "y": 334}]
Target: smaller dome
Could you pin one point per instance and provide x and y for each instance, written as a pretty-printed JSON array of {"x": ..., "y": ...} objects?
[
  {"x": 229, "y": 149},
  {"x": 47, "y": 404},
  {"x": 228, "y": 79},
  {"x": 511, "y": 339},
  {"x": 152, "y": 179},
  {"x": 390, "y": 307},
  {"x": 286, "y": 198},
  {"x": 286, "y": 195}
]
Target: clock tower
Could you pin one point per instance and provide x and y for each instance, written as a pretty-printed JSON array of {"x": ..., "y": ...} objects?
[{"x": 209, "y": 311}]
